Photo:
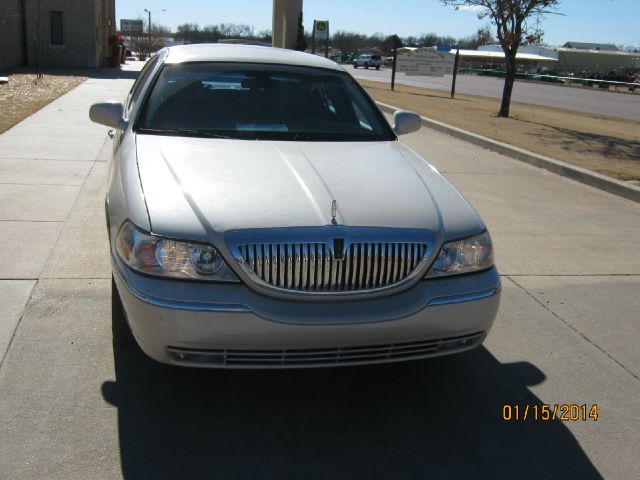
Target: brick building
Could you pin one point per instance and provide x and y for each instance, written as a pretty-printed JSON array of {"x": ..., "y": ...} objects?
[{"x": 70, "y": 33}]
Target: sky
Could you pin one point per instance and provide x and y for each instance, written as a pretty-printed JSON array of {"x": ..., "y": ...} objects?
[{"x": 600, "y": 21}]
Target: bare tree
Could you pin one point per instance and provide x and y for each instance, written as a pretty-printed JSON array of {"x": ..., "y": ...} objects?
[
  {"x": 351, "y": 42},
  {"x": 34, "y": 15},
  {"x": 483, "y": 36},
  {"x": 511, "y": 20},
  {"x": 192, "y": 33},
  {"x": 301, "y": 41},
  {"x": 145, "y": 42}
]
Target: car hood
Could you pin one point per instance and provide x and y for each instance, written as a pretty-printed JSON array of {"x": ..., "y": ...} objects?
[{"x": 199, "y": 188}]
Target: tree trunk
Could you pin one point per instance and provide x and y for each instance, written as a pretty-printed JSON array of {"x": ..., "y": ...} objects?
[
  {"x": 39, "y": 41},
  {"x": 509, "y": 79},
  {"x": 25, "y": 37}
]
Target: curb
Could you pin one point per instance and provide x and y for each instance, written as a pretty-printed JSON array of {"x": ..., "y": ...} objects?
[{"x": 578, "y": 174}]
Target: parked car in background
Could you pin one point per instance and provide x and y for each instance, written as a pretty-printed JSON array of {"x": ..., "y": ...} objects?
[
  {"x": 262, "y": 213},
  {"x": 367, "y": 60}
]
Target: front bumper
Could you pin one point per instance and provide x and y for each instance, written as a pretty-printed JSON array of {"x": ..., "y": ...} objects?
[{"x": 230, "y": 325}]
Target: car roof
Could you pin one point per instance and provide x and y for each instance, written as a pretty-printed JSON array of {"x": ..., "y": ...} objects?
[{"x": 216, "y": 52}]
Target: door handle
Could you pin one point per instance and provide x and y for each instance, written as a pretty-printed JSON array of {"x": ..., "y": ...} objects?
[{"x": 111, "y": 133}]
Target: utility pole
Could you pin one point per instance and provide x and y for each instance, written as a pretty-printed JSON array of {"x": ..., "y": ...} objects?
[
  {"x": 455, "y": 73},
  {"x": 393, "y": 67},
  {"x": 149, "y": 43}
]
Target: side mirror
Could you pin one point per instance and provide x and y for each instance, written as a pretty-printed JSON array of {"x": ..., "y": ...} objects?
[
  {"x": 109, "y": 114},
  {"x": 405, "y": 121}
]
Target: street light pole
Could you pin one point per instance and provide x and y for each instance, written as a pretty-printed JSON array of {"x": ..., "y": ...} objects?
[
  {"x": 149, "y": 42},
  {"x": 149, "y": 25}
]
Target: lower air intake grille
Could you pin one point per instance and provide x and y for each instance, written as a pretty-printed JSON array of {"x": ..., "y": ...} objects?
[{"x": 322, "y": 356}]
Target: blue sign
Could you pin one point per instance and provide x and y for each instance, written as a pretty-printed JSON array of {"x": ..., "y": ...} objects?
[{"x": 443, "y": 48}]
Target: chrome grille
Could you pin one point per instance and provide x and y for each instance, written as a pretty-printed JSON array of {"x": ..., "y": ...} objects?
[
  {"x": 329, "y": 356},
  {"x": 313, "y": 267}
]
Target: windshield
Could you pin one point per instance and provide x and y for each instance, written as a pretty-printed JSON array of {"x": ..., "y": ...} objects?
[{"x": 260, "y": 101}]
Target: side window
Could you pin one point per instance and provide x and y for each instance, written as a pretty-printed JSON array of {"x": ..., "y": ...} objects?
[{"x": 136, "y": 89}]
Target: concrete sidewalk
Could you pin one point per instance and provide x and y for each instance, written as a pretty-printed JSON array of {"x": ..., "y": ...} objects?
[
  {"x": 72, "y": 407},
  {"x": 50, "y": 166},
  {"x": 55, "y": 277}
]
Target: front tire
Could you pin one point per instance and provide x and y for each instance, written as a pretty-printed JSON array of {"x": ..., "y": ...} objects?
[
  {"x": 355, "y": 65},
  {"x": 377, "y": 67},
  {"x": 366, "y": 66}
]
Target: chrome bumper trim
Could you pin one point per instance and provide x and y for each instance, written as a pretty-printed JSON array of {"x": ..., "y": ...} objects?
[
  {"x": 467, "y": 297},
  {"x": 239, "y": 308},
  {"x": 177, "y": 304}
]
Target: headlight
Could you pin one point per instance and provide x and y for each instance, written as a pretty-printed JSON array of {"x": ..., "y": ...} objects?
[
  {"x": 463, "y": 256},
  {"x": 170, "y": 258}
]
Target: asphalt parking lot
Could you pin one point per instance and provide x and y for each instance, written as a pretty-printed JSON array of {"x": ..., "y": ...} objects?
[
  {"x": 588, "y": 100},
  {"x": 72, "y": 407}
]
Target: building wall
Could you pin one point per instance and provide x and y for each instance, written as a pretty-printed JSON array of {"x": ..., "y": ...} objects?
[
  {"x": 79, "y": 33},
  {"x": 106, "y": 27},
  {"x": 10, "y": 34},
  {"x": 578, "y": 61},
  {"x": 86, "y": 28}
]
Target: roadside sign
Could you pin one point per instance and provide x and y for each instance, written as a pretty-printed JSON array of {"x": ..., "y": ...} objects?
[
  {"x": 321, "y": 30},
  {"x": 443, "y": 48},
  {"x": 426, "y": 61},
  {"x": 320, "y": 34}
]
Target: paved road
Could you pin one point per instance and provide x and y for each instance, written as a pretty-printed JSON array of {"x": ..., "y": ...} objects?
[
  {"x": 72, "y": 408},
  {"x": 620, "y": 105}
]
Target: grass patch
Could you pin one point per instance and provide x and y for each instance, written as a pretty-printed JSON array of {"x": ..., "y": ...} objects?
[{"x": 607, "y": 145}]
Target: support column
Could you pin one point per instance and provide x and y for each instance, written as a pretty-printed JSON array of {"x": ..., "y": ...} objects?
[{"x": 285, "y": 22}]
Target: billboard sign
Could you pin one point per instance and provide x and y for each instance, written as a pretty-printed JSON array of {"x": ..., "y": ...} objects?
[
  {"x": 426, "y": 61},
  {"x": 131, "y": 27}
]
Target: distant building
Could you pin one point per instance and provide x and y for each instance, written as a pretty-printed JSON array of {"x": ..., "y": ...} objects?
[
  {"x": 608, "y": 47},
  {"x": 529, "y": 61},
  {"x": 69, "y": 33},
  {"x": 571, "y": 60},
  {"x": 600, "y": 62}
]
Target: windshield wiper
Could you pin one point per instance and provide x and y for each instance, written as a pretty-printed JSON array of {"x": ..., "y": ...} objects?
[
  {"x": 302, "y": 137},
  {"x": 182, "y": 131},
  {"x": 319, "y": 137}
]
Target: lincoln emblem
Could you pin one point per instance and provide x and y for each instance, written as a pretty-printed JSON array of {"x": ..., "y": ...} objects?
[{"x": 334, "y": 212}]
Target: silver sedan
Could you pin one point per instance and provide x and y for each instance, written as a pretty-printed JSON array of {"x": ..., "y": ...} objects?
[{"x": 263, "y": 214}]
